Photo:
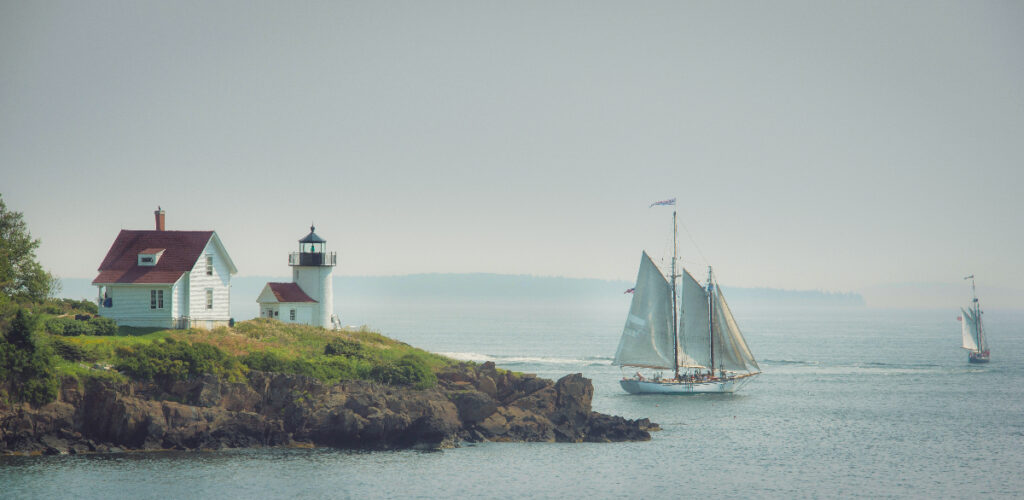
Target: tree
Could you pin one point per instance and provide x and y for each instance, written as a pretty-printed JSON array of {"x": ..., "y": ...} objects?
[
  {"x": 21, "y": 277},
  {"x": 27, "y": 368}
]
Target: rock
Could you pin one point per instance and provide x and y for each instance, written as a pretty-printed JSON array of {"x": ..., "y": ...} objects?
[
  {"x": 605, "y": 428},
  {"x": 54, "y": 445},
  {"x": 429, "y": 432},
  {"x": 474, "y": 406},
  {"x": 572, "y": 406},
  {"x": 512, "y": 423},
  {"x": 474, "y": 403},
  {"x": 487, "y": 386}
]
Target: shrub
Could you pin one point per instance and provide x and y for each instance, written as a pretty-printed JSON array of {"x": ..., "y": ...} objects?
[
  {"x": 76, "y": 327},
  {"x": 50, "y": 308},
  {"x": 267, "y": 361},
  {"x": 103, "y": 326},
  {"x": 326, "y": 368},
  {"x": 172, "y": 360},
  {"x": 344, "y": 347},
  {"x": 56, "y": 325},
  {"x": 69, "y": 327},
  {"x": 409, "y": 370},
  {"x": 83, "y": 305}
]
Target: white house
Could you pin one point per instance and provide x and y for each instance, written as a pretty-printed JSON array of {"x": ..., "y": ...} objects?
[
  {"x": 309, "y": 298},
  {"x": 166, "y": 279}
]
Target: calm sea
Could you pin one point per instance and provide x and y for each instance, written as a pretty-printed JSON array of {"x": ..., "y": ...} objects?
[{"x": 852, "y": 402}]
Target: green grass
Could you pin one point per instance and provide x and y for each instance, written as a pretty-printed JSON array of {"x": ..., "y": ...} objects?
[{"x": 260, "y": 344}]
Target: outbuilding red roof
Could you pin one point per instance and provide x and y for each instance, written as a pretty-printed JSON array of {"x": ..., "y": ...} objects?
[
  {"x": 181, "y": 251},
  {"x": 289, "y": 292}
]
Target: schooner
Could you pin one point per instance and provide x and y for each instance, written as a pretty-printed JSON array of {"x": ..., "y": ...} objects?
[
  {"x": 690, "y": 331},
  {"x": 972, "y": 330}
]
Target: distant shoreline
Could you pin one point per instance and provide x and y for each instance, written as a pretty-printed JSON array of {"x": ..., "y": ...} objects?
[{"x": 498, "y": 286}]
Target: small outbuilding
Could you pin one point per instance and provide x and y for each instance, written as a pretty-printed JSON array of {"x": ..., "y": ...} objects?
[{"x": 286, "y": 302}]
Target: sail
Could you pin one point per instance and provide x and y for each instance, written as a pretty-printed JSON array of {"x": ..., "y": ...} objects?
[
  {"x": 968, "y": 330},
  {"x": 694, "y": 325},
  {"x": 738, "y": 343},
  {"x": 647, "y": 337},
  {"x": 982, "y": 342},
  {"x": 728, "y": 355}
]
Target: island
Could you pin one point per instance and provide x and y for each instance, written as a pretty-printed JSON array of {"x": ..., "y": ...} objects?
[{"x": 73, "y": 383}]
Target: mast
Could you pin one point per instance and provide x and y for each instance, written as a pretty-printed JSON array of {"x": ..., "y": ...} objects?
[
  {"x": 711, "y": 321},
  {"x": 675, "y": 310},
  {"x": 977, "y": 317}
]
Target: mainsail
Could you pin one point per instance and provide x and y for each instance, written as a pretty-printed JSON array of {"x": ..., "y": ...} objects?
[
  {"x": 969, "y": 329},
  {"x": 647, "y": 337},
  {"x": 694, "y": 325}
]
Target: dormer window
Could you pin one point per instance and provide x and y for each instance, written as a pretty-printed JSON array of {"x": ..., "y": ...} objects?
[{"x": 150, "y": 256}]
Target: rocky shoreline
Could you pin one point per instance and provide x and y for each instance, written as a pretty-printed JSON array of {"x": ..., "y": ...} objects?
[{"x": 470, "y": 404}]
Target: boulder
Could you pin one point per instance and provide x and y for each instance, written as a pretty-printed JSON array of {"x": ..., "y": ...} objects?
[{"x": 474, "y": 406}]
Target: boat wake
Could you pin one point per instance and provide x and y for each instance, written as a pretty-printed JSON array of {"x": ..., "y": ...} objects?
[
  {"x": 791, "y": 362},
  {"x": 785, "y": 365}
]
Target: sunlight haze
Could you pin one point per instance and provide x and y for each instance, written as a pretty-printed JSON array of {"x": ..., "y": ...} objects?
[{"x": 841, "y": 146}]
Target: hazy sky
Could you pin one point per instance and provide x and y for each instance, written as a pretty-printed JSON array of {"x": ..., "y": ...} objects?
[{"x": 831, "y": 145}]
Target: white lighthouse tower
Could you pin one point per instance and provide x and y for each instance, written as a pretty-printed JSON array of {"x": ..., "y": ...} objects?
[{"x": 312, "y": 269}]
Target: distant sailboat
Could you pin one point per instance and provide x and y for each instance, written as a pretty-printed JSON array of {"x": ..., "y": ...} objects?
[
  {"x": 972, "y": 330},
  {"x": 702, "y": 346}
]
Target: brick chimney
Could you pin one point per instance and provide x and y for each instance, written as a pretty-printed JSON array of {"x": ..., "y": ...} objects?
[{"x": 159, "y": 213}]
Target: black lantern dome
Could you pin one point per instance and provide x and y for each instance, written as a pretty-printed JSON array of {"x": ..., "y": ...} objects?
[
  {"x": 312, "y": 251},
  {"x": 312, "y": 243}
]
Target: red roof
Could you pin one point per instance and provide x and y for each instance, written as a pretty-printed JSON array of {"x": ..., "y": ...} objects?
[
  {"x": 289, "y": 292},
  {"x": 181, "y": 251}
]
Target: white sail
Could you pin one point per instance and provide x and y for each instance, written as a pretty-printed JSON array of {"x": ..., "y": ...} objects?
[
  {"x": 728, "y": 355},
  {"x": 967, "y": 329},
  {"x": 738, "y": 342},
  {"x": 647, "y": 337},
  {"x": 694, "y": 325},
  {"x": 982, "y": 342}
]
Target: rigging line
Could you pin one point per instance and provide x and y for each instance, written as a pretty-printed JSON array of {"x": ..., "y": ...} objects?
[{"x": 695, "y": 245}]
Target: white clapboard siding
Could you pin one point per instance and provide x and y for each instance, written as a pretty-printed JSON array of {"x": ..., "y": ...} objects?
[
  {"x": 130, "y": 306},
  {"x": 303, "y": 312},
  {"x": 220, "y": 282}
]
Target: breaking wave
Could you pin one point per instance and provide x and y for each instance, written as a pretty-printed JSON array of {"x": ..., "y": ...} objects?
[{"x": 512, "y": 360}]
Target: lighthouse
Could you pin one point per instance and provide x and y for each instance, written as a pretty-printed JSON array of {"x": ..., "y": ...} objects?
[{"x": 309, "y": 298}]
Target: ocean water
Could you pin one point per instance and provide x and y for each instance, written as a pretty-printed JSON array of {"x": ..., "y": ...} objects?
[{"x": 852, "y": 402}]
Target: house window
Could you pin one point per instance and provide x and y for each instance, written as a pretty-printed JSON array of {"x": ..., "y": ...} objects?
[
  {"x": 291, "y": 314},
  {"x": 156, "y": 299},
  {"x": 209, "y": 265},
  {"x": 209, "y": 298},
  {"x": 145, "y": 260}
]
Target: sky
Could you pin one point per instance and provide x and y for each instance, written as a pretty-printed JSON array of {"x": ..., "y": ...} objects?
[{"x": 841, "y": 146}]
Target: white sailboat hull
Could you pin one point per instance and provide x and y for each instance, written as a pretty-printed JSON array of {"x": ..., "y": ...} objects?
[{"x": 634, "y": 386}]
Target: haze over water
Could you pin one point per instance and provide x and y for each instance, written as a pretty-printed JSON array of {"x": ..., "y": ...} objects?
[
  {"x": 852, "y": 402},
  {"x": 865, "y": 147}
]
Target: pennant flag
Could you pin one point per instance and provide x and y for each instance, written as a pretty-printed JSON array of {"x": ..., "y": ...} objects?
[
  {"x": 631, "y": 290},
  {"x": 670, "y": 201}
]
